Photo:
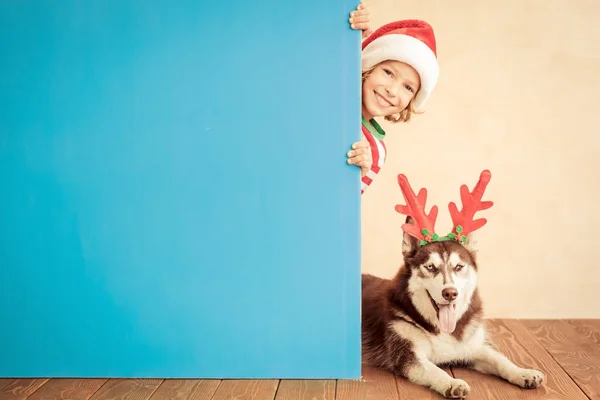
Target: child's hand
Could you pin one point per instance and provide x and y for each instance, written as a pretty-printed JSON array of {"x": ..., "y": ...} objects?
[
  {"x": 359, "y": 19},
  {"x": 360, "y": 155}
]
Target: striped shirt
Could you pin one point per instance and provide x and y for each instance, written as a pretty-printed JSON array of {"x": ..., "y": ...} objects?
[{"x": 375, "y": 136}]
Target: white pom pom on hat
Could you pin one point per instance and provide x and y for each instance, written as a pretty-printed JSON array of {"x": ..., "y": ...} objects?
[{"x": 409, "y": 41}]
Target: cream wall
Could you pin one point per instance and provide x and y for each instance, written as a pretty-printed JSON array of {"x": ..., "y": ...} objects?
[{"x": 518, "y": 94}]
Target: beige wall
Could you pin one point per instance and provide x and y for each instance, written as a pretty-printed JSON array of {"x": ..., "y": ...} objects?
[{"x": 518, "y": 94}]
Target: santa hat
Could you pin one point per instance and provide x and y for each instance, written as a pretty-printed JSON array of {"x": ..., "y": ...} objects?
[{"x": 408, "y": 41}]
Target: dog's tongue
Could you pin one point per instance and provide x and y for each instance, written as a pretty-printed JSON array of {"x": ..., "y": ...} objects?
[{"x": 447, "y": 317}]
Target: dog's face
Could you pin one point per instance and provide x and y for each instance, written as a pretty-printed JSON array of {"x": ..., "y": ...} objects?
[{"x": 443, "y": 278}]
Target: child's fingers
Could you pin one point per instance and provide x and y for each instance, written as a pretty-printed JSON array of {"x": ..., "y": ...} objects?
[
  {"x": 361, "y": 23},
  {"x": 362, "y": 26},
  {"x": 355, "y": 159},
  {"x": 358, "y": 151},
  {"x": 360, "y": 13},
  {"x": 359, "y": 18},
  {"x": 360, "y": 155},
  {"x": 362, "y": 143},
  {"x": 362, "y": 159},
  {"x": 363, "y": 164}
]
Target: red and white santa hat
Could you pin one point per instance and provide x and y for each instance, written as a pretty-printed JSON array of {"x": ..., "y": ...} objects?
[{"x": 408, "y": 41}]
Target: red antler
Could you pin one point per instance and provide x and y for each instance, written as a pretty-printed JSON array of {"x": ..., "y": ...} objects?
[
  {"x": 472, "y": 203},
  {"x": 415, "y": 208}
]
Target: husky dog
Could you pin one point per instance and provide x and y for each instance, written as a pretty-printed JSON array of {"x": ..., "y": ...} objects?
[{"x": 430, "y": 314}]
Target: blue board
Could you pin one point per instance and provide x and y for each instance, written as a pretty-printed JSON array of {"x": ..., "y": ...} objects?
[{"x": 175, "y": 199}]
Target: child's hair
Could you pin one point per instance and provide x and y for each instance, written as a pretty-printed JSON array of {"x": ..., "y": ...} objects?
[{"x": 404, "y": 115}]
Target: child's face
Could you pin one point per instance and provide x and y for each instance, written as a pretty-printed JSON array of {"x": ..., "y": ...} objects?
[{"x": 388, "y": 89}]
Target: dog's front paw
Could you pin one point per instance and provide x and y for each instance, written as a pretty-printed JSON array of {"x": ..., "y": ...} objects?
[
  {"x": 458, "y": 389},
  {"x": 528, "y": 378}
]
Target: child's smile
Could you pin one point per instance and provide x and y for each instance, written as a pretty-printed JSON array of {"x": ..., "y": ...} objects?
[{"x": 383, "y": 101}]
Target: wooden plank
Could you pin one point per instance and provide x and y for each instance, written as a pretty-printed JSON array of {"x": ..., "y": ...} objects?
[
  {"x": 18, "y": 389},
  {"x": 558, "y": 385},
  {"x": 322, "y": 389},
  {"x": 251, "y": 389},
  {"x": 593, "y": 323},
  {"x": 589, "y": 331},
  {"x": 186, "y": 389},
  {"x": 73, "y": 389},
  {"x": 522, "y": 348},
  {"x": 575, "y": 345},
  {"x": 408, "y": 390},
  {"x": 375, "y": 384},
  {"x": 127, "y": 389}
]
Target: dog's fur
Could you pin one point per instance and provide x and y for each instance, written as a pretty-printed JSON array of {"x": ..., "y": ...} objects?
[{"x": 401, "y": 330}]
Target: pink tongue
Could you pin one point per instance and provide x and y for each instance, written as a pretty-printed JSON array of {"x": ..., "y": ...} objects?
[{"x": 447, "y": 317}]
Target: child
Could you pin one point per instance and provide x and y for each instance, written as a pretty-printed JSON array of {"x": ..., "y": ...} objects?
[{"x": 399, "y": 72}]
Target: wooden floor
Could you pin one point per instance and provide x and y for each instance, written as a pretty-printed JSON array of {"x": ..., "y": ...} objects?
[{"x": 567, "y": 351}]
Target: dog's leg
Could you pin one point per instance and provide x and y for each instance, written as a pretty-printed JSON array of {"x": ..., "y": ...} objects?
[
  {"x": 425, "y": 373},
  {"x": 491, "y": 361}
]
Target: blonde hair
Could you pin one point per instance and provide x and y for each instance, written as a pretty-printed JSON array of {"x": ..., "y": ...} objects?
[{"x": 404, "y": 115}]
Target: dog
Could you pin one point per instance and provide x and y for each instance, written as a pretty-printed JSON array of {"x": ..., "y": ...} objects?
[{"x": 430, "y": 315}]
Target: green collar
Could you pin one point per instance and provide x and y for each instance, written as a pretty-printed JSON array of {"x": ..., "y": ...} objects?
[{"x": 374, "y": 128}]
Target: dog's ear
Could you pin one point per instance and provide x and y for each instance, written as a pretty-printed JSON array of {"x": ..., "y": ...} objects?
[
  {"x": 409, "y": 243},
  {"x": 471, "y": 244}
]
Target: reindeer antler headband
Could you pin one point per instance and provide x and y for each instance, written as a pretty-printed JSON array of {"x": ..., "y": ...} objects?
[{"x": 463, "y": 222}]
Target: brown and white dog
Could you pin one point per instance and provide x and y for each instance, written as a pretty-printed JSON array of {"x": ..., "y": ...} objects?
[{"x": 430, "y": 314}]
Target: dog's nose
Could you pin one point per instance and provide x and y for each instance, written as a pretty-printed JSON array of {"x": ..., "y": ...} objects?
[{"x": 450, "y": 294}]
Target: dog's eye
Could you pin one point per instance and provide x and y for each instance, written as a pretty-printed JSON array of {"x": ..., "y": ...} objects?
[
  {"x": 430, "y": 268},
  {"x": 458, "y": 267}
]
